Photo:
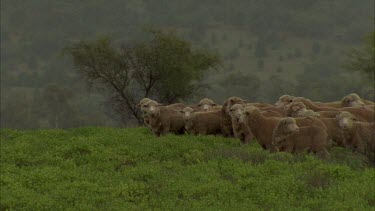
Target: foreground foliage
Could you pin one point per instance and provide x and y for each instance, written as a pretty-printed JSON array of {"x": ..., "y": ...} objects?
[{"x": 105, "y": 168}]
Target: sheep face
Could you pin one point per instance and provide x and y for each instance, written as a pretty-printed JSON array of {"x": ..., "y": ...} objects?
[
  {"x": 346, "y": 120},
  {"x": 284, "y": 100},
  {"x": 142, "y": 104},
  {"x": 289, "y": 125},
  {"x": 206, "y": 104},
  {"x": 152, "y": 108},
  {"x": 236, "y": 112},
  {"x": 247, "y": 113},
  {"x": 285, "y": 127},
  {"x": 295, "y": 109},
  {"x": 233, "y": 100},
  {"x": 352, "y": 100},
  {"x": 187, "y": 113}
]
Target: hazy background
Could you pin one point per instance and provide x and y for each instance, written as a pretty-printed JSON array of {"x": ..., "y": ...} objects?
[{"x": 268, "y": 48}]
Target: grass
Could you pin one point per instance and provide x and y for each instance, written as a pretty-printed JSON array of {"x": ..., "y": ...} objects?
[{"x": 122, "y": 169}]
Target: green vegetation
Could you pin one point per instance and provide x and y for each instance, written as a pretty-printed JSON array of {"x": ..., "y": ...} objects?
[{"x": 113, "y": 169}]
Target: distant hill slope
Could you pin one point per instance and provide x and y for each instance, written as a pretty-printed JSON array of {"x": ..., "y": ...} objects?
[{"x": 116, "y": 169}]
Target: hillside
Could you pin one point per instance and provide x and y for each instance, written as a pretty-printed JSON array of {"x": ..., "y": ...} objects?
[
  {"x": 112, "y": 169},
  {"x": 268, "y": 48}
]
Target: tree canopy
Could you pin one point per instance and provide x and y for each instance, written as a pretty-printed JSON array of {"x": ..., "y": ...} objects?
[{"x": 166, "y": 68}]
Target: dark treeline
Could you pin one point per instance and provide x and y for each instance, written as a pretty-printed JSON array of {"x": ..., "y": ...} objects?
[{"x": 267, "y": 48}]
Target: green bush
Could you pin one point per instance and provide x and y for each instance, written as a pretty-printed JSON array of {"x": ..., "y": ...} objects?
[{"x": 117, "y": 169}]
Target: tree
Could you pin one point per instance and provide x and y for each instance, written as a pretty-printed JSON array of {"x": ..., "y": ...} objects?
[
  {"x": 363, "y": 60},
  {"x": 165, "y": 68}
]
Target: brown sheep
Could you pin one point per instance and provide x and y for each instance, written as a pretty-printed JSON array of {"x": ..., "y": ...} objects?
[
  {"x": 163, "y": 120},
  {"x": 262, "y": 127},
  {"x": 279, "y": 110},
  {"x": 335, "y": 133},
  {"x": 359, "y": 135},
  {"x": 284, "y": 100},
  {"x": 311, "y": 105},
  {"x": 370, "y": 107},
  {"x": 298, "y": 109},
  {"x": 287, "y": 136},
  {"x": 362, "y": 113},
  {"x": 203, "y": 123},
  {"x": 240, "y": 130},
  {"x": 270, "y": 113},
  {"x": 176, "y": 106},
  {"x": 226, "y": 121},
  {"x": 352, "y": 100}
]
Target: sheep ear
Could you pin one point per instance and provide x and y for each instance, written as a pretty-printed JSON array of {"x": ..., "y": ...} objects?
[
  {"x": 138, "y": 105},
  {"x": 181, "y": 111},
  {"x": 214, "y": 104},
  {"x": 355, "y": 118}
]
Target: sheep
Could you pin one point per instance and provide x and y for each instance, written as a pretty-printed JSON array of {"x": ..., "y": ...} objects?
[
  {"x": 335, "y": 133},
  {"x": 262, "y": 127},
  {"x": 359, "y": 135},
  {"x": 275, "y": 109},
  {"x": 298, "y": 109},
  {"x": 310, "y": 105},
  {"x": 142, "y": 104},
  {"x": 287, "y": 136},
  {"x": 370, "y": 107},
  {"x": 226, "y": 121},
  {"x": 352, "y": 100},
  {"x": 284, "y": 100},
  {"x": 362, "y": 113},
  {"x": 176, "y": 106},
  {"x": 241, "y": 131},
  {"x": 270, "y": 113},
  {"x": 203, "y": 123},
  {"x": 163, "y": 119}
]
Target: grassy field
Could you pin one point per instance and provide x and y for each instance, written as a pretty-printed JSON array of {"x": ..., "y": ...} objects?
[{"x": 118, "y": 169}]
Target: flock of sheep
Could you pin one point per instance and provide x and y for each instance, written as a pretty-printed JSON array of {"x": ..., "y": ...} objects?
[{"x": 292, "y": 124}]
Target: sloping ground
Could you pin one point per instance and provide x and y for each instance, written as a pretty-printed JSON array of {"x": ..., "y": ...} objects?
[{"x": 113, "y": 169}]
